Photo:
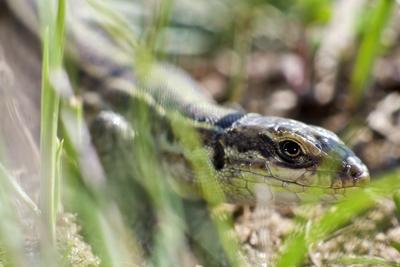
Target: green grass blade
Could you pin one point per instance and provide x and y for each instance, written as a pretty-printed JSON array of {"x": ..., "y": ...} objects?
[
  {"x": 395, "y": 245},
  {"x": 366, "y": 261},
  {"x": 59, "y": 35},
  {"x": 52, "y": 60},
  {"x": 369, "y": 48},
  {"x": 48, "y": 144},
  {"x": 293, "y": 251},
  {"x": 336, "y": 217},
  {"x": 10, "y": 182},
  {"x": 58, "y": 175},
  {"x": 211, "y": 189},
  {"x": 11, "y": 239},
  {"x": 396, "y": 199}
]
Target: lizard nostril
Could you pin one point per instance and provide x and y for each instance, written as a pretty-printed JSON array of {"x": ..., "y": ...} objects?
[{"x": 357, "y": 173}]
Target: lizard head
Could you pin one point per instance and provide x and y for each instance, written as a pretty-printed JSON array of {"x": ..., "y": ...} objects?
[{"x": 291, "y": 158}]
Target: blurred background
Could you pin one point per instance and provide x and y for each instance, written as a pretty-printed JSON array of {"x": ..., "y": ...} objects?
[{"x": 335, "y": 64}]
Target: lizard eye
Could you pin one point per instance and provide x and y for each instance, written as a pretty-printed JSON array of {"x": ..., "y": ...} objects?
[{"x": 290, "y": 149}]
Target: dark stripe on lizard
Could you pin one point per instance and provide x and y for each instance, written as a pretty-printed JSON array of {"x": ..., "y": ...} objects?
[{"x": 227, "y": 120}]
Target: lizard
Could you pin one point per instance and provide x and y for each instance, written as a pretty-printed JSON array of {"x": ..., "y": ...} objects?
[{"x": 245, "y": 150}]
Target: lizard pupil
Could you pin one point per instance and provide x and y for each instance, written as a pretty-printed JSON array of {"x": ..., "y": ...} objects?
[{"x": 290, "y": 148}]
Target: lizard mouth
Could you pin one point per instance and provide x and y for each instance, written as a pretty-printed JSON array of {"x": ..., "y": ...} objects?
[
  {"x": 353, "y": 176},
  {"x": 351, "y": 172}
]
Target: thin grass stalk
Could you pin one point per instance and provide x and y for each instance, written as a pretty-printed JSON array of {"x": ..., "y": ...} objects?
[
  {"x": 92, "y": 204},
  {"x": 241, "y": 45},
  {"x": 161, "y": 18},
  {"x": 57, "y": 182},
  {"x": 115, "y": 25},
  {"x": 210, "y": 188},
  {"x": 48, "y": 145},
  {"x": 167, "y": 207},
  {"x": 11, "y": 239},
  {"x": 53, "y": 47},
  {"x": 10, "y": 182},
  {"x": 366, "y": 261},
  {"x": 92, "y": 214},
  {"x": 369, "y": 49}
]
